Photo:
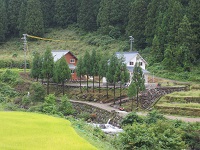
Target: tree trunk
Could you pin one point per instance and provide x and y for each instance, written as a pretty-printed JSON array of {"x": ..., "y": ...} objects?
[
  {"x": 99, "y": 84},
  {"x": 114, "y": 93},
  {"x": 137, "y": 101},
  {"x": 120, "y": 94},
  {"x": 80, "y": 85},
  {"x": 47, "y": 85},
  {"x": 107, "y": 88},
  {"x": 132, "y": 104},
  {"x": 87, "y": 82},
  {"x": 93, "y": 84},
  {"x": 63, "y": 87}
]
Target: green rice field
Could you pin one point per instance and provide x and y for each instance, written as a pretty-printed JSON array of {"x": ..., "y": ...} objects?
[{"x": 31, "y": 131}]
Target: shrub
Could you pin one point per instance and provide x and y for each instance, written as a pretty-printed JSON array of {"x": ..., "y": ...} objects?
[
  {"x": 37, "y": 92},
  {"x": 9, "y": 77},
  {"x": 65, "y": 106},
  {"x": 49, "y": 106},
  {"x": 153, "y": 117},
  {"x": 131, "y": 118}
]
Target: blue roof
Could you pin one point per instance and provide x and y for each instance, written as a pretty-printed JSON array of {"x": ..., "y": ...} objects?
[
  {"x": 57, "y": 54},
  {"x": 131, "y": 70}
]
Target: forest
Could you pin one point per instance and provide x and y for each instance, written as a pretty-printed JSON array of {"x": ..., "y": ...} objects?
[{"x": 169, "y": 28}]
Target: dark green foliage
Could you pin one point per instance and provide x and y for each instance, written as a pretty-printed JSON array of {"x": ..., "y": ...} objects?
[
  {"x": 9, "y": 77},
  {"x": 94, "y": 67},
  {"x": 34, "y": 24},
  {"x": 65, "y": 106},
  {"x": 13, "y": 15},
  {"x": 65, "y": 12},
  {"x": 131, "y": 93},
  {"x": 48, "y": 9},
  {"x": 79, "y": 70},
  {"x": 153, "y": 117},
  {"x": 131, "y": 119},
  {"x": 138, "y": 80},
  {"x": 87, "y": 66},
  {"x": 21, "y": 19},
  {"x": 49, "y": 106},
  {"x": 48, "y": 66},
  {"x": 36, "y": 68},
  {"x": 3, "y": 21},
  {"x": 6, "y": 92},
  {"x": 37, "y": 92},
  {"x": 87, "y": 14},
  {"x": 136, "y": 26}
]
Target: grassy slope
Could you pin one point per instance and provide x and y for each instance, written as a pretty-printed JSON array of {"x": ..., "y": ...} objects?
[{"x": 21, "y": 130}]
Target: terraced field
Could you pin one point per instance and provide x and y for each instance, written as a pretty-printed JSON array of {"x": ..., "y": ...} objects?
[{"x": 31, "y": 131}]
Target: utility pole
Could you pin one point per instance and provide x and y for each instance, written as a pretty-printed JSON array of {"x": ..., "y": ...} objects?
[
  {"x": 25, "y": 46},
  {"x": 131, "y": 41}
]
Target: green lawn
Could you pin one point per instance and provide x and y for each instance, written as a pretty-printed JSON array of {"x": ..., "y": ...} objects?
[{"x": 21, "y": 131}]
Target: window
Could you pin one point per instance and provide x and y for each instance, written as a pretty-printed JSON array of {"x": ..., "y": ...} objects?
[
  {"x": 72, "y": 60},
  {"x": 131, "y": 63},
  {"x": 140, "y": 63},
  {"x": 72, "y": 71}
]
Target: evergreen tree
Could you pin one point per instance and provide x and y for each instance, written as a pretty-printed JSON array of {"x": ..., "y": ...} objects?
[
  {"x": 94, "y": 65},
  {"x": 87, "y": 14},
  {"x": 87, "y": 66},
  {"x": 194, "y": 19},
  {"x": 131, "y": 93},
  {"x": 3, "y": 21},
  {"x": 36, "y": 67},
  {"x": 113, "y": 72},
  {"x": 103, "y": 17},
  {"x": 65, "y": 12},
  {"x": 21, "y": 19},
  {"x": 136, "y": 23},
  {"x": 48, "y": 10},
  {"x": 48, "y": 66},
  {"x": 169, "y": 62},
  {"x": 13, "y": 15},
  {"x": 118, "y": 14},
  {"x": 79, "y": 70},
  {"x": 138, "y": 81},
  {"x": 155, "y": 50},
  {"x": 185, "y": 40},
  {"x": 34, "y": 19},
  {"x": 63, "y": 73}
]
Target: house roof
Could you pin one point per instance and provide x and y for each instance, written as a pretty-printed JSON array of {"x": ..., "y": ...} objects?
[
  {"x": 57, "y": 54},
  {"x": 71, "y": 66},
  {"x": 129, "y": 55}
]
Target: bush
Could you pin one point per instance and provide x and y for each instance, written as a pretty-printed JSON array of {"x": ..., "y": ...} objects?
[
  {"x": 49, "y": 106},
  {"x": 65, "y": 106},
  {"x": 132, "y": 118},
  {"x": 153, "y": 117},
  {"x": 37, "y": 92},
  {"x": 7, "y": 91},
  {"x": 9, "y": 77}
]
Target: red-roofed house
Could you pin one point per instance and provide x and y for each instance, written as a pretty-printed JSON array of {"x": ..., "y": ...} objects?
[{"x": 70, "y": 58}]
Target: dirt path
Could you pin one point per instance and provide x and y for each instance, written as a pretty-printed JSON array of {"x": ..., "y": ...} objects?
[{"x": 124, "y": 113}]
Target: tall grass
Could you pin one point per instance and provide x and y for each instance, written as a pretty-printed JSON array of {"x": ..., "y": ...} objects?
[{"x": 19, "y": 130}]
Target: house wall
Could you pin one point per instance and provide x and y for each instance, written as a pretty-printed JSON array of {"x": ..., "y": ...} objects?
[
  {"x": 135, "y": 59},
  {"x": 69, "y": 56}
]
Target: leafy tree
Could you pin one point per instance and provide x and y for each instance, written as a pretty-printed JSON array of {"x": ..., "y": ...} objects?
[
  {"x": 63, "y": 72},
  {"x": 138, "y": 81},
  {"x": 36, "y": 66},
  {"x": 21, "y": 19},
  {"x": 79, "y": 70},
  {"x": 136, "y": 23},
  {"x": 34, "y": 18},
  {"x": 87, "y": 66},
  {"x": 3, "y": 21},
  {"x": 49, "y": 106},
  {"x": 48, "y": 66},
  {"x": 13, "y": 15}
]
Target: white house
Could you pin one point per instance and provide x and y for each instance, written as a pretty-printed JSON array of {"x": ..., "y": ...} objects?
[{"x": 131, "y": 58}]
